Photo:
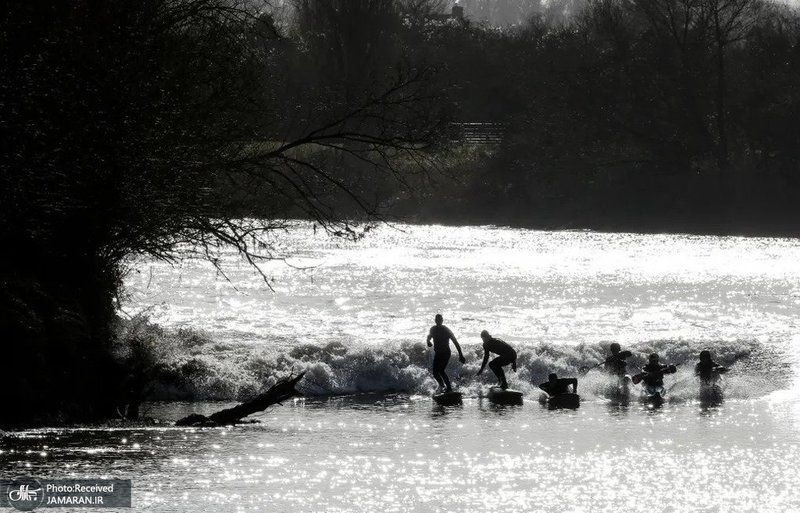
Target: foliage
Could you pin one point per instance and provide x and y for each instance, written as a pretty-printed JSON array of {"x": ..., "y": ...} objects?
[
  {"x": 160, "y": 127},
  {"x": 650, "y": 115},
  {"x": 149, "y": 129}
]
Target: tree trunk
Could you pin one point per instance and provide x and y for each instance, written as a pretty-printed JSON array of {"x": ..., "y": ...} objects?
[
  {"x": 722, "y": 132},
  {"x": 282, "y": 390}
]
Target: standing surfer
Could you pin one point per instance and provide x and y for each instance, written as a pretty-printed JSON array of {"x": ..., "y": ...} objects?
[
  {"x": 442, "y": 336},
  {"x": 506, "y": 355}
]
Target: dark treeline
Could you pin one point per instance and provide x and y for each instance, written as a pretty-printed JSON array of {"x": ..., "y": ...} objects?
[
  {"x": 151, "y": 128},
  {"x": 643, "y": 115}
]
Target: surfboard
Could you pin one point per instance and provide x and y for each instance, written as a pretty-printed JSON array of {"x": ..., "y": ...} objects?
[
  {"x": 448, "y": 398},
  {"x": 499, "y": 396},
  {"x": 568, "y": 400}
]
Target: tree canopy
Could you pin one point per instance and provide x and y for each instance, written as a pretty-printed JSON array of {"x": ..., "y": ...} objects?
[{"x": 160, "y": 127}]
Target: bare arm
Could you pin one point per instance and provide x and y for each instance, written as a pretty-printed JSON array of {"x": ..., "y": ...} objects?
[
  {"x": 458, "y": 347},
  {"x": 430, "y": 336},
  {"x": 574, "y": 383},
  {"x": 485, "y": 360}
]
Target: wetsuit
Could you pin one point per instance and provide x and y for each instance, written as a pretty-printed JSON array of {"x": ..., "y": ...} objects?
[
  {"x": 615, "y": 365},
  {"x": 654, "y": 376},
  {"x": 561, "y": 386},
  {"x": 441, "y": 336},
  {"x": 708, "y": 371},
  {"x": 506, "y": 355}
]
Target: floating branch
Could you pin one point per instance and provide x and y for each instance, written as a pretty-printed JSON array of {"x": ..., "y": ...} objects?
[{"x": 282, "y": 390}]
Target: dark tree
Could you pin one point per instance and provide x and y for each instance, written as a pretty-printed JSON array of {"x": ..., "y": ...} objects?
[{"x": 152, "y": 129}]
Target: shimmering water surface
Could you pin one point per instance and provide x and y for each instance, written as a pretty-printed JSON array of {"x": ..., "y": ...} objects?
[
  {"x": 402, "y": 453},
  {"x": 560, "y": 287},
  {"x": 360, "y": 314}
]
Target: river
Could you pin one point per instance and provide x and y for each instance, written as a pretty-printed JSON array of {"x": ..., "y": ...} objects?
[{"x": 355, "y": 315}]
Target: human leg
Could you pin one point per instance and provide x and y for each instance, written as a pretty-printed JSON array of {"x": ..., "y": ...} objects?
[
  {"x": 440, "y": 360},
  {"x": 497, "y": 367}
]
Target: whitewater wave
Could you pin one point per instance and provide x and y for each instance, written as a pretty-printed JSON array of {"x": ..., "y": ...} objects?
[{"x": 186, "y": 365}]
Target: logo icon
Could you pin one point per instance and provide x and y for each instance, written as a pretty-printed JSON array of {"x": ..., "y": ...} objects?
[{"x": 25, "y": 494}]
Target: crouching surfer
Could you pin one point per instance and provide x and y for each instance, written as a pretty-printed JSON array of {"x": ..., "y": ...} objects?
[
  {"x": 441, "y": 336},
  {"x": 556, "y": 386},
  {"x": 505, "y": 355}
]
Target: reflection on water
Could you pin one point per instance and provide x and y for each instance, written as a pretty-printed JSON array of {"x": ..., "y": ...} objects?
[{"x": 401, "y": 453}]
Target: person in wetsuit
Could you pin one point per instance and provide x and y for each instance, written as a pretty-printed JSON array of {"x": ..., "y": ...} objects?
[
  {"x": 505, "y": 355},
  {"x": 654, "y": 372},
  {"x": 615, "y": 364},
  {"x": 442, "y": 336},
  {"x": 707, "y": 370},
  {"x": 555, "y": 385}
]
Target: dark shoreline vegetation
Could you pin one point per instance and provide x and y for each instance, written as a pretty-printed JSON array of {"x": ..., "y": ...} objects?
[{"x": 137, "y": 129}]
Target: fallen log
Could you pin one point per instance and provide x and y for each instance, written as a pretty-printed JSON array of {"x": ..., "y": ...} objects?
[{"x": 279, "y": 392}]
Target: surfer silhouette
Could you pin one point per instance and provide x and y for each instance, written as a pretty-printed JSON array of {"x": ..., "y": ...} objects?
[
  {"x": 615, "y": 364},
  {"x": 442, "y": 336},
  {"x": 555, "y": 385},
  {"x": 708, "y": 370},
  {"x": 506, "y": 355},
  {"x": 653, "y": 373}
]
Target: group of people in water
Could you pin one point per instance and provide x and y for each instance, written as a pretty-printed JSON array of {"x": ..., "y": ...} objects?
[
  {"x": 441, "y": 336},
  {"x": 652, "y": 375}
]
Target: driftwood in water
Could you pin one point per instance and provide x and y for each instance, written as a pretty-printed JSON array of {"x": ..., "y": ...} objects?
[{"x": 280, "y": 391}]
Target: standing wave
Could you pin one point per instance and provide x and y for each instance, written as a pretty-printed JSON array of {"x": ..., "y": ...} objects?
[{"x": 187, "y": 365}]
